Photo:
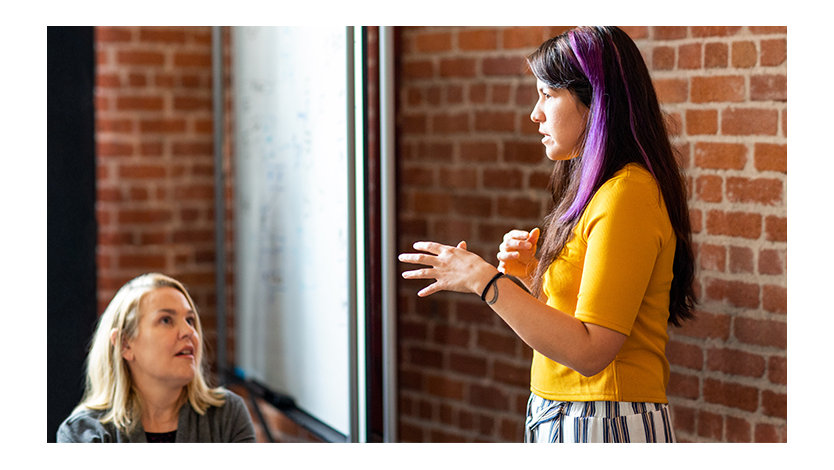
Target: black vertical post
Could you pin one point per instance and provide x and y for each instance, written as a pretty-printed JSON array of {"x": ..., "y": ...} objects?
[{"x": 71, "y": 222}]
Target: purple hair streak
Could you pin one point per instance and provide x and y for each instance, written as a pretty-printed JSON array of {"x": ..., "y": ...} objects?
[{"x": 589, "y": 59}]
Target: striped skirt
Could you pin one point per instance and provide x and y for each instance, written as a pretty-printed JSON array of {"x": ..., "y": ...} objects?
[{"x": 596, "y": 421}]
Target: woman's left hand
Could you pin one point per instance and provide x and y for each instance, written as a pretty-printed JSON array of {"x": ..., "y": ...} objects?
[{"x": 453, "y": 267}]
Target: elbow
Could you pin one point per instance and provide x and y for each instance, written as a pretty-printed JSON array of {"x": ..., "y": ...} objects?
[{"x": 592, "y": 366}]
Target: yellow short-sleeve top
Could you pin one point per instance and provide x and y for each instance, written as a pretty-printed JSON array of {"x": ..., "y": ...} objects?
[{"x": 616, "y": 272}]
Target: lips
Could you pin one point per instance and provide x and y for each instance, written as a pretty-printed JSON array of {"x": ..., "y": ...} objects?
[{"x": 187, "y": 351}]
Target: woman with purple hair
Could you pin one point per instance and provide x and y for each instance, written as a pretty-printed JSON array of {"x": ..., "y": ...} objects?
[{"x": 615, "y": 263}]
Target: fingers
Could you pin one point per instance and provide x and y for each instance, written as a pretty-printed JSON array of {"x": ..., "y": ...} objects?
[
  {"x": 418, "y": 258},
  {"x": 462, "y": 244},
  {"x": 534, "y": 235},
  {"x": 508, "y": 255},
  {"x": 431, "y": 247},
  {"x": 425, "y": 273}
]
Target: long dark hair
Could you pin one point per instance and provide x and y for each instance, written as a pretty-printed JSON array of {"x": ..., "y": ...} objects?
[{"x": 603, "y": 68}]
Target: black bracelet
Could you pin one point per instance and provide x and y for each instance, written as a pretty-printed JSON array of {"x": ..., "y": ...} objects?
[{"x": 494, "y": 278}]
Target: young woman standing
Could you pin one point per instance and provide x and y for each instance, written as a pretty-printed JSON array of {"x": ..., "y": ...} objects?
[{"x": 615, "y": 265}]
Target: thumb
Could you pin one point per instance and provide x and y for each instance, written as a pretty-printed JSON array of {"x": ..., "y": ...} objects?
[
  {"x": 534, "y": 236},
  {"x": 462, "y": 244}
]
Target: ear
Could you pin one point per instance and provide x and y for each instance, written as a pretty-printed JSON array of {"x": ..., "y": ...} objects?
[{"x": 126, "y": 352}]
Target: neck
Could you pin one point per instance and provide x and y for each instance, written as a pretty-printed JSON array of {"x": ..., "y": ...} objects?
[{"x": 160, "y": 408}]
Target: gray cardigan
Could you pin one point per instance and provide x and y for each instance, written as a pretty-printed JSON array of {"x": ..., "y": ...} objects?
[{"x": 227, "y": 423}]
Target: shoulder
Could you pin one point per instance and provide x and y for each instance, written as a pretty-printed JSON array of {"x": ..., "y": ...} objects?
[
  {"x": 84, "y": 426},
  {"x": 632, "y": 181}
]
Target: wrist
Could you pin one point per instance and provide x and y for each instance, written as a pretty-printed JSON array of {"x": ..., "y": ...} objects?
[{"x": 483, "y": 278}]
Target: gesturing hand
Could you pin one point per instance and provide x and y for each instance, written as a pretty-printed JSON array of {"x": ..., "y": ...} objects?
[
  {"x": 453, "y": 267},
  {"x": 517, "y": 253}
]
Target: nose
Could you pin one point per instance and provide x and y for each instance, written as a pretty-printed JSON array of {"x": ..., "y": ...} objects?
[
  {"x": 187, "y": 330},
  {"x": 537, "y": 115}
]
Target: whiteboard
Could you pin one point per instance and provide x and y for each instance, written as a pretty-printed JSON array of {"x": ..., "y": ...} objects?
[{"x": 291, "y": 215}]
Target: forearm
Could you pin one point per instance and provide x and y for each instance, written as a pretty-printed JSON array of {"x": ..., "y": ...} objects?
[{"x": 553, "y": 333}]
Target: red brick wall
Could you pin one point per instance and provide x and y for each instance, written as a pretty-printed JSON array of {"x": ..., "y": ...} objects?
[
  {"x": 155, "y": 161},
  {"x": 471, "y": 167}
]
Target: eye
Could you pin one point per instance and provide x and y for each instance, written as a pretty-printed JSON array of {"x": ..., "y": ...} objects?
[
  {"x": 191, "y": 320},
  {"x": 166, "y": 320}
]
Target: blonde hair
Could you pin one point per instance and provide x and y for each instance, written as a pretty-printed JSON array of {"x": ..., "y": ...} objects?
[{"x": 108, "y": 384}]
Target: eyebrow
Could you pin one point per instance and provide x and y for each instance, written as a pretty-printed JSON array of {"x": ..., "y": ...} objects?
[{"x": 174, "y": 312}]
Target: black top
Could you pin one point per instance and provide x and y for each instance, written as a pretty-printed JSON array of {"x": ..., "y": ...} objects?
[{"x": 161, "y": 436}]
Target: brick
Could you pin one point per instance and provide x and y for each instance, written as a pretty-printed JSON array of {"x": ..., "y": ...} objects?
[
  {"x": 749, "y": 121},
  {"x": 192, "y": 59},
  {"x": 711, "y": 31},
  {"x": 683, "y": 419},
  {"x": 113, "y": 149},
  {"x": 519, "y": 207},
  {"x": 767, "y": 191},
  {"x": 113, "y": 34},
  {"x": 502, "y": 344},
  {"x": 720, "y": 88},
  {"x": 479, "y": 39},
  {"x": 498, "y": 121},
  {"x": 769, "y": 88},
  {"x": 775, "y": 404},
  {"x": 707, "y": 326},
  {"x": 702, "y": 122},
  {"x": 686, "y": 355},
  {"x": 162, "y": 35},
  {"x": 141, "y": 261},
  {"x": 713, "y": 257},
  {"x": 709, "y": 188},
  {"x": 771, "y": 157},
  {"x": 139, "y": 57},
  {"x": 192, "y": 103},
  {"x": 731, "y": 394},
  {"x": 503, "y": 66},
  {"x": 431, "y": 203},
  {"x": 139, "y": 103},
  {"x": 457, "y": 67},
  {"x": 523, "y": 37},
  {"x": 775, "y": 299},
  {"x": 744, "y": 54},
  {"x": 472, "y": 206},
  {"x": 502, "y": 178},
  {"x": 777, "y": 370},
  {"x": 460, "y": 178},
  {"x": 663, "y": 58},
  {"x": 449, "y": 335},
  {"x": 773, "y": 52},
  {"x": 671, "y": 90},
  {"x": 468, "y": 364},
  {"x": 769, "y": 29},
  {"x": 736, "y": 293},
  {"x": 734, "y": 224},
  {"x": 767, "y": 433},
  {"x": 690, "y": 56},
  {"x": 735, "y": 362},
  {"x": 142, "y": 171},
  {"x": 720, "y": 156},
  {"x": 143, "y": 216},
  {"x": 737, "y": 429},
  {"x": 417, "y": 69},
  {"x": 506, "y": 372},
  {"x": 776, "y": 229},
  {"x": 684, "y": 385},
  {"x": 478, "y": 151},
  {"x": 710, "y": 425},
  {"x": 716, "y": 55},
  {"x": 444, "y": 387},
  {"x": 760, "y": 332},
  {"x": 669, "y": 32},
  {"x": 432, "y": 42},
  {"x": 480, "y": 396},
  {"x": 450, "y": 123},
  {"x": 741, "y": 259},
  {"x": 770, "y": 262},
  {"x": 162, "y": 126}
]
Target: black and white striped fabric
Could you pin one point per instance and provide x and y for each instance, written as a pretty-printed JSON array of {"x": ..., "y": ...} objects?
[{"x": 596, "y": 421}]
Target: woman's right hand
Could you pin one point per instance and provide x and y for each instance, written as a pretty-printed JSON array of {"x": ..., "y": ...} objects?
[{"x": 517, "y": 253}]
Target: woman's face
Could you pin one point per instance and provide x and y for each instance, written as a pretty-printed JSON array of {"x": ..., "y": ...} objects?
[
  {"x": 165, "y": 350},
  {"x": 561, "y": 118}
]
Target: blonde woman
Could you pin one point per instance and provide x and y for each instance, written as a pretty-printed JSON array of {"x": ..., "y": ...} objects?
[{"x": 145, "y": 379}]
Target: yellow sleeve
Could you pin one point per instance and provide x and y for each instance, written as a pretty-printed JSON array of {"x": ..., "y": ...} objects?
[{"x": 624, "y": 228}]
